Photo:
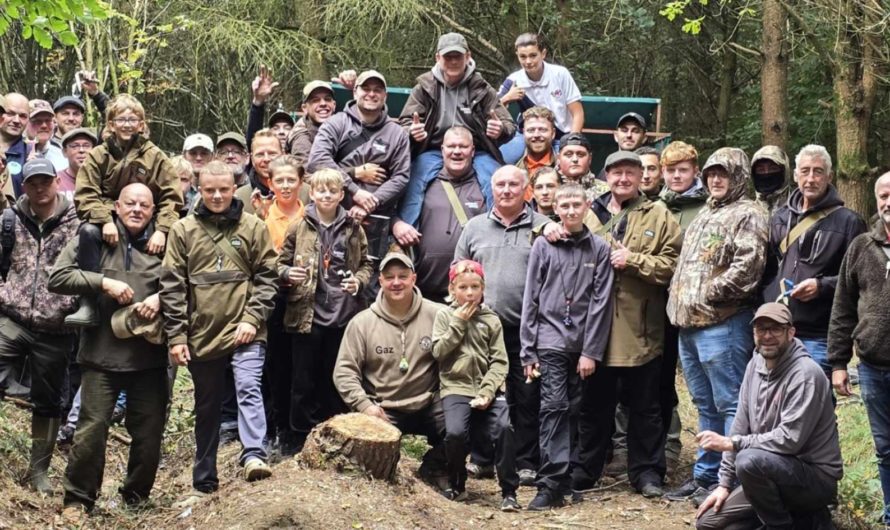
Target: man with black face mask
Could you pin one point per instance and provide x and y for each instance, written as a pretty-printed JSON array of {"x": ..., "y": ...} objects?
[{"x": 771, "y": 173}]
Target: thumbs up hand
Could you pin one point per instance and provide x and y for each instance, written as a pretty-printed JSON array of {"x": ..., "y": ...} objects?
[
  {"x": 619, "y": 255},
  {"x": 494, "y": 126},
  {"x": 417, "y": 130}
]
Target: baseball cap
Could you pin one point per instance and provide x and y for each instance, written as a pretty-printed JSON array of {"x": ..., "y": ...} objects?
[
  {"x": 574, "y": 139},
  {"x": 66, "y": 101},
  {"x": 197, "y": 140},
  {"x": 40, "y": 106},
  {"x": 632, "y": 116},
  {"x": 80, "y": 131},
  {"x": 36, "y": 167},
  {"x": 464, "y": 266},
  {"x": 280, "y": 115},
  {"x": 398, "y": 257},
  {"x": 126, "y": 323},
  {"x": 231, "y": 136},
  {"x": 451, "y": 42},
  {"x": 369, "y": 74},
  {"x": 778, "y": 313},
  {"x": 623, "y": 156},
  {"x": 312, "y": 86}
]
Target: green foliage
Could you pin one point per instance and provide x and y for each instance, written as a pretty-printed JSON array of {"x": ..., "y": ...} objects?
[
  {"x": 42, "y": 20},
  {"x": 859, "y": 493}
]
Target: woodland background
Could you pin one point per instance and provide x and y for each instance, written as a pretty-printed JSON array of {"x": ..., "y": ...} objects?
[{"x": 731, "y": 72}]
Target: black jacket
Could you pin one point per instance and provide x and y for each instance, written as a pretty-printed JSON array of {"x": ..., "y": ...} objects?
[{"x": 816, "y": 254}]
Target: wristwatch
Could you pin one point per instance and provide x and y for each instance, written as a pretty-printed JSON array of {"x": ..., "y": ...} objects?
[{"x": 736, "y": 442}]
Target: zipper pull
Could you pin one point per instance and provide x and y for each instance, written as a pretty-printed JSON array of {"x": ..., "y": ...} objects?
[
  {"x": 887, "y": 270},
  {"x": 218, "y": 263}
]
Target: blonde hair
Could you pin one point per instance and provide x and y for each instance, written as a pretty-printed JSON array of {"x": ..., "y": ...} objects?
[
  {"x": 286, "y": 161},
  {"x": 677, "y": 152},
  {"x": 326, "y": 178},
  {"x": 215, "y": 167},
  {"x": 120, "y": 104},
  {"x": 569, "y": 190},
  {"x": 539, "y": 112},
  {"x": 181, "y": 165},
  {"x": 263, "y": 133}
]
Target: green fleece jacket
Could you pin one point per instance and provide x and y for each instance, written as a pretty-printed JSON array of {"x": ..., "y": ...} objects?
[{"x": 471, "y": 354}]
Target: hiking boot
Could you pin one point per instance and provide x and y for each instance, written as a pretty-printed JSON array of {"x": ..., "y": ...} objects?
[
  {"x": 193, "y": 499},
  {"x": 43, "y": 441},
  {"x": 578, "y": 497},
  {"x": 545, "y": 500},
  {"x": 617, "y": 467},
  {"x": 509, "y": 504},
  {"x": 454, "y": 494},
  {"x": 701, "y": 495},
  {"x": 74, "y": 515},
  {"x": 652, "y": 490},
  {"x": 436, "y": 478},
  {"x": 480, "y": 472},
  {"x": 86, "y": 316},
  {"x": 256, "y": 469},
  {"x": 527, "y": 477},
  {"x": 685, "y": 491}
]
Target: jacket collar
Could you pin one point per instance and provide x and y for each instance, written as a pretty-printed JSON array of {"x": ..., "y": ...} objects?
[{"x": 233, "y": 214}]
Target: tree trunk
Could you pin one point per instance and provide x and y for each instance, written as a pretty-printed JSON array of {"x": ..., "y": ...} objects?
[
  {"x": 774, "y": 76},
  {"x": 354, "y": 443}
]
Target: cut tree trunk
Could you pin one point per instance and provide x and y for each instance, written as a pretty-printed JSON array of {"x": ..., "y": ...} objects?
[{"x": 354, "y": 443}]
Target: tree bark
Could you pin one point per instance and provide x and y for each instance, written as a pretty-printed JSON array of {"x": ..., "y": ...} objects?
[
  {"x": 774, "y": 76},
  {"x": 354, "y": 443}
]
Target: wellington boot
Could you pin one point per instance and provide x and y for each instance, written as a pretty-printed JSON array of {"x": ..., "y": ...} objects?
[
  {"x": 43, "y": 441},
  {"x": 86, "y": 316}
]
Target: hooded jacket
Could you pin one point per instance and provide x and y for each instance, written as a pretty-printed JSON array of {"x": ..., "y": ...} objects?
[
  {"x": 299, "y": 141},
  {"x": 860, "y": 314},
  {"x": 24, "y": 296},
  {"x": 204, "y": 294},
  {"x": 129, "y": 262},
  {"x": 818, "y": 254},
  {"x": 788, "y": 411},
  {"x": 724, "y": 252},
  {"x": 771, "y": 200},
  {"x": 478, "y": 101},
  {"x": 685, "y": 206},
  {"x": 375, "y": 343},
  {"x": 639, "y": 291},
  {"x": 303, "y": 240},
  {"x": 387, "y": 145},
  {"x": 110, "y": 167},
  {"x": 471, "y": 354}
]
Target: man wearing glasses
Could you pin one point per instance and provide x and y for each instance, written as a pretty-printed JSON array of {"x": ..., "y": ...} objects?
[
  {"x": 76, "y": 143},
  {"x": 231, "y": 149}
]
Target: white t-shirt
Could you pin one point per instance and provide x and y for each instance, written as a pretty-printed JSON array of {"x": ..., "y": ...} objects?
[{"x": 555, "y": 90}]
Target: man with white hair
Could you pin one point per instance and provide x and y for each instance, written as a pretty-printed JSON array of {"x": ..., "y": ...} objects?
[
  {"x": 861, "y": 296},
  {"x": 808, "y": 238}
]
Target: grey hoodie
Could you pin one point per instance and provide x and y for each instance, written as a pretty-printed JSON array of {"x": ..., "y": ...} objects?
[
  {"x": 787, "y": 411},
  {"x": 453, "y": 99},
  {"x": 374, "y": 344}
]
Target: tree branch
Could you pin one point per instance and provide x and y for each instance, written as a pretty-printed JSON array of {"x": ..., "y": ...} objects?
[{"x": 808, "y": 33}]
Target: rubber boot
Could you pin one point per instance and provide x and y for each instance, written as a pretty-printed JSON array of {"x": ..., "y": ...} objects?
[
  {"x": 86, "y": 316},
  {"x": 43, "y": 441}
]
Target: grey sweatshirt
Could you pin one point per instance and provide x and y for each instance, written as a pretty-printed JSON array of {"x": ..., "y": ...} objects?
[
  {"x": 387, "y": 145},
  {"x": 787, "y": 411},
  {"x": 503, "y": 251},
  {"x": 577, "y": 269}
]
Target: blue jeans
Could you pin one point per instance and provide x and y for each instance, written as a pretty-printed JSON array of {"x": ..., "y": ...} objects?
[
  {"x": 875, "y": 385},
  {"x": 714, "y": 360},
  {"x": 818, "y": 348},
  {"x": 424, "y": 169}
]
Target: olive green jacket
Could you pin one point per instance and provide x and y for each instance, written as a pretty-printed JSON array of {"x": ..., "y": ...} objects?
[
  {"x": 204, "y": 293},
  {"x": 110, "y": 167}
]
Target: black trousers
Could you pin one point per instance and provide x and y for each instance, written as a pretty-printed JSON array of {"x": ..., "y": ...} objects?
[
  {"x": 429, "y": 422},
  {"x": 47, "y": 358},
  {"x": 524, "y": 400},
  {"x": 776, "y": 491},
  {"x": 89, "y": 247},
  {"x": 668, "y": 398},
  {"x": 147, "y": 397},
  {"x": 314, "y": 398},
  {"x": 560, "y": 403},
  {"x": 277, "y": 372},
  {"x": 645, "y": 451},
  {"x": 493, "y": 424}
]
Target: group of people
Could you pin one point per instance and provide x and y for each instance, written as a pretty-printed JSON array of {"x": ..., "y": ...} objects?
[{"x": 461, "y": 275}]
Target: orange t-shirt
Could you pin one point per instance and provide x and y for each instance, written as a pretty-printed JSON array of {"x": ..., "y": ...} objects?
[
  {"x": 277, "y": 223},
  {"x": 531, "y": 165}
]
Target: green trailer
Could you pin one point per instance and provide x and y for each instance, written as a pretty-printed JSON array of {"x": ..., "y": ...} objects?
[{"x": 601, "y": 114}]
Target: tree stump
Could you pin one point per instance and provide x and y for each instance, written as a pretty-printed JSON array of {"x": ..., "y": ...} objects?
[{"x": 354, "y": 443}]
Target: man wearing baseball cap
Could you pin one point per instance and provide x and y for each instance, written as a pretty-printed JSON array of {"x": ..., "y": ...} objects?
[
  {"x": 452, "y": 93},
  {"x": 197, "y": 149},
  {"x": 76, "y": 143},
  {"x": 41, "y": 127},
  {"x": 630, "y": 132},
  {"x": 375, "y": 155},
  {"x": 231, "y": 149},
  {"x": 69, "y": 111},
  {"x": 386, "y": 366},
  {"x": 573, "y": 165},
  {"x": 32, "y": 319},
  {"x": 783, "y": 449},
  {"x": 317, "y": 105}
]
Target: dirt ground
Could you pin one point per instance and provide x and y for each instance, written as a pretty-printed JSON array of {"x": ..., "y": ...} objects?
[{"x": 296, "y": 497}]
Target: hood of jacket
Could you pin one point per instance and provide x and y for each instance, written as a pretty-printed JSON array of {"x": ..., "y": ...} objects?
[
  {"x": 351, "y": 110},
  {"x": 795, "y": 350},
  {"x": 736, "y": 164},
  {"x": 23, "y": 207},
  {"x": 772, "y": 184},
  {"x": 382, "y": 309},
  {"x": 831, "y": 199},
  {"x": 696, "y": 194},
  {"x": 310, "y": 213},
  {"x": 231, "y": 215}
]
